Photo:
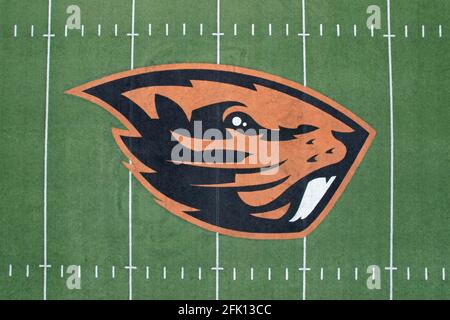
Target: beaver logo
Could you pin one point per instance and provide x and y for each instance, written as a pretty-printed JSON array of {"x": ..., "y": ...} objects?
[{"x": 312, "y": 145}]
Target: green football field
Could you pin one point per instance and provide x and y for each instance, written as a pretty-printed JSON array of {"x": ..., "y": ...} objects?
[{"x": 66, "y": 199}]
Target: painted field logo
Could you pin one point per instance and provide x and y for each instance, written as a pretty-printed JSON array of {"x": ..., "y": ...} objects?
[{"x": 233, "y": 150}]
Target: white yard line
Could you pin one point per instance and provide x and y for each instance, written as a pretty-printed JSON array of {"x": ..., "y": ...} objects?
[
  {"x": 217, "y": 268},
  {"x": 305, "y": 84},
  {"x": 45, "y": 265},
  {"x": 130, "y": 181},
  {"x": 391, "y": 115}
]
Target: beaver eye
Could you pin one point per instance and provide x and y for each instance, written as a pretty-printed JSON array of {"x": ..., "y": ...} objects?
[{"x": 240, "y": 120}]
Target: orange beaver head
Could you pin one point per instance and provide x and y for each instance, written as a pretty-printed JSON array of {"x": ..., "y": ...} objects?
[{"x": 233, "y": 150}]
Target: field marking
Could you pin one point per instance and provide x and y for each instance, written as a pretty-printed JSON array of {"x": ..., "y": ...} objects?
[
  {"x": 130, "y": 181},
  {"x": 305, "y": 84},
  {"x": 391, "y": 116},
  {"x": 219, "y": 34},
  {"x": 45, "y": 265},
  {"x": 184, "y": 31},
  {"x": 252, "y": 277}
]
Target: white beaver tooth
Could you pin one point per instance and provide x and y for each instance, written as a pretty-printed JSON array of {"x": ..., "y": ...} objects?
[{"x": 315, "y": 190}]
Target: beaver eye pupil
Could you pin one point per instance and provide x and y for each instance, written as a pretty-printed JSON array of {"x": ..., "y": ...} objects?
[{"x": 236, "y": 121}]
